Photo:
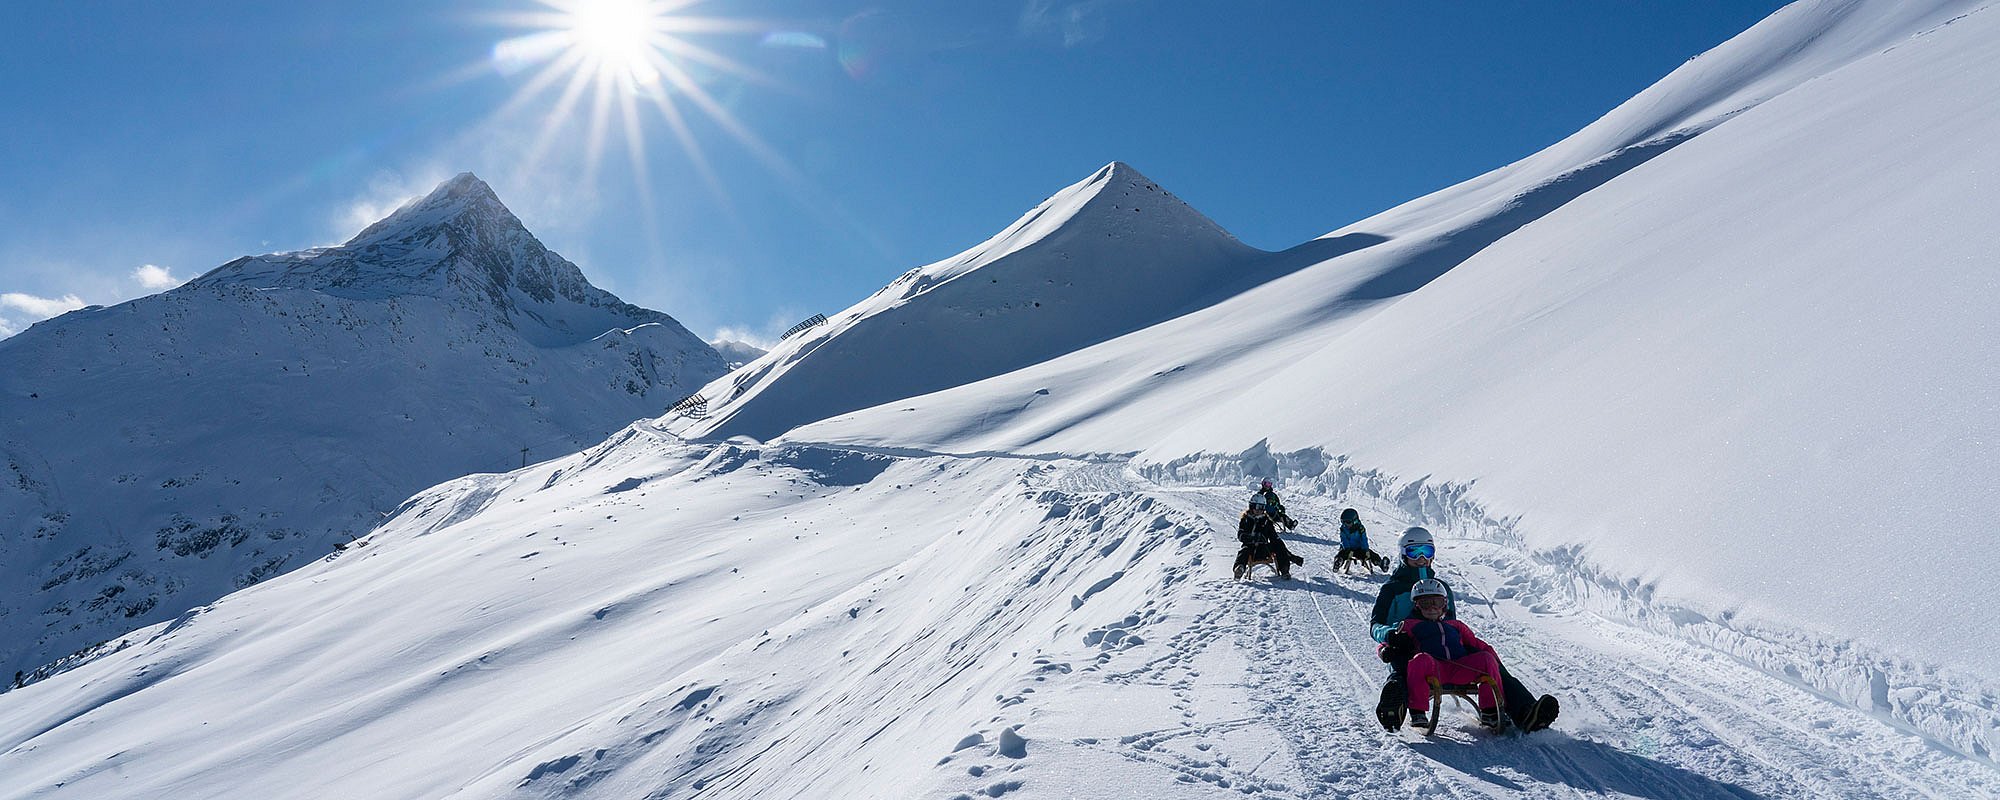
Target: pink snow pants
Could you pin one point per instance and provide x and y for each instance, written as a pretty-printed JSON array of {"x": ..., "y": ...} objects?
[{"x": 1423, "y": 667}]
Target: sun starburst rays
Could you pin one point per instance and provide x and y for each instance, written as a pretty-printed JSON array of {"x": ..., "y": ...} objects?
[{"x": 624, "y": 57}]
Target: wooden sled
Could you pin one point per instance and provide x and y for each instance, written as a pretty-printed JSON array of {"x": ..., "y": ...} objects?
[
  {"x": 1269, "y": 560},
  {"x": 1467, "y": 693}
]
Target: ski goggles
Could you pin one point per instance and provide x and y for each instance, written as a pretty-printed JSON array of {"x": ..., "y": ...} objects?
[{"x": 1420, "y": 551}]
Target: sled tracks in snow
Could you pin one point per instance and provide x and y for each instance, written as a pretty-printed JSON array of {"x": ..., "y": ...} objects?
[{"x": 1643, "y": 715}]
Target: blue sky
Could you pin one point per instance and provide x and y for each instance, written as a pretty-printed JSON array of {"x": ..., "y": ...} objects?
[{"x": 828, "y": 146}]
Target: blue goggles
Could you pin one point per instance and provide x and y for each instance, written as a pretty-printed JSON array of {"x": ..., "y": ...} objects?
[{"x": 1420, "y": 551}]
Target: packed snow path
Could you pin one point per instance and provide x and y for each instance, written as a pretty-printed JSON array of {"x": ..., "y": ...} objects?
[{"x": 1643, "y": 715}]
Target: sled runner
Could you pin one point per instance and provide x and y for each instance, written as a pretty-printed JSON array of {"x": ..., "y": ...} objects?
[
  {"x": 1346, "y": 562},
  {"x": 1467, "y": 693},
  {"x": 1268, "y": 557}
]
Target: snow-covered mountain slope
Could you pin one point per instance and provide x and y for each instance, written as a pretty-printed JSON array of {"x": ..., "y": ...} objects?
[
  {"x": 165, "y": 451},
  {"x": 1241, "y": 354},
  {"x": 653, "y": 618},
  {"x": 1723, "y": 375},
  {"x": 1109, "y": 255},
  {"x": 664, "y": 618}
]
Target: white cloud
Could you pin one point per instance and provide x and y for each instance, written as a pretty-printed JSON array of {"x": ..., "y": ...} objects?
[
  {"x": 155, "y": 277},
  {"x": 763, "y": 337},
  {"x": 761, "y": 341},
  {"x": 40, "y": 307},
  {"x": 19, "y": 310}
]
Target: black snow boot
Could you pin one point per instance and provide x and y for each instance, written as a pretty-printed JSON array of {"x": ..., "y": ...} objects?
[
  {"x": 1541, "y": 714},
  {"x": 1394, "y": 704}
]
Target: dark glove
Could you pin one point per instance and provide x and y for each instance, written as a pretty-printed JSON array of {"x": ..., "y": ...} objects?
[{"x": 1398, "y": 648}]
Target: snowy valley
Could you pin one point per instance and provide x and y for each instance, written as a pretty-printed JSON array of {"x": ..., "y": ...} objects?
[{"x": 1700, "y": 402}]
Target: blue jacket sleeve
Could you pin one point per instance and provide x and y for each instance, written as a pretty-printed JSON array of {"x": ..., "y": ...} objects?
[{"x": 1391, "y": 608}]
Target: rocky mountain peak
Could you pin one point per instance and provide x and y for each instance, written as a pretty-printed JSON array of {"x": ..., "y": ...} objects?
[{"x": 464, "y": 202}]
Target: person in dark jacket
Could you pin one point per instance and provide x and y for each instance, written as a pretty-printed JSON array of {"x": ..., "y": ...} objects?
[
  {"x": 1354, "y": 543},
  {"x": 1259, "y": 534},
  {"x": 1276, "y": 507},
  {"x": 1393, "y": 605}
]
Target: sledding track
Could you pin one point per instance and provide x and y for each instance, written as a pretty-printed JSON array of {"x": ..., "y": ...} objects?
[{"x": 1643, "y": 715}]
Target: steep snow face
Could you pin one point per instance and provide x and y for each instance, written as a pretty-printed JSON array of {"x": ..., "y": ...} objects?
[
  {"x": 1738, "y": 376},
  {"x": 1796, "y": 45},
  {"x": 1720, "y": 370},
  {"x": 165, "y": 451},
  {"x": 1113, "y": 397},
  {"x": 1109, "y": 255}
]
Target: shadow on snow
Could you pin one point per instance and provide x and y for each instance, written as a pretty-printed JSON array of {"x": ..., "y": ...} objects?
[{"x": 1580, "y": 764}]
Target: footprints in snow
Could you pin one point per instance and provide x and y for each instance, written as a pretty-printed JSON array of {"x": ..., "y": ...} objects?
[
  {"x": 1117, "y": 635},
  {"x": 1007, "y": 743}
]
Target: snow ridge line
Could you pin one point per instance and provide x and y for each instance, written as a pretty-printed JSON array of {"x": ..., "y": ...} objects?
[
  {"x": 1901, "y": 692},
  {"x": 912, "y": 452}
]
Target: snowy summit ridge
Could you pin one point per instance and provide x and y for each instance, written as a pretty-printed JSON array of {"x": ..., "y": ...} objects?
[
  {"x": 458, "y": 242},
  {"x": 1116, "y": 202},
  {"x": 1108, "y": 255}
]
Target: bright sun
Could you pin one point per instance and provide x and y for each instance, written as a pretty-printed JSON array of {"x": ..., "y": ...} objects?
[
  {"x": 627, "y": 57},
  {"x": 609, "y": 61},
  {"x": 618, "y": 35}
]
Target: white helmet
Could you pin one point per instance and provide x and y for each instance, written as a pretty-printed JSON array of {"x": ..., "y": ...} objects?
[
  {"x": 1257, "y": 500},
  {"x": 1426, "y": 588},
  {"x": 1415, "y": 535}
]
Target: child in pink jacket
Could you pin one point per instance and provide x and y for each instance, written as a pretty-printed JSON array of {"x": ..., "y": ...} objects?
[{"x": 1447, "y": 650}]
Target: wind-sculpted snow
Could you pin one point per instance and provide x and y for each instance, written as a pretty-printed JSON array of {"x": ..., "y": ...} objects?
[{"x": 163, "y": 452}]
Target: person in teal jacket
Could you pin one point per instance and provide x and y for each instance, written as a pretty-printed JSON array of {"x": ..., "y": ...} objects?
[{"x": 1392, "y": 603}]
